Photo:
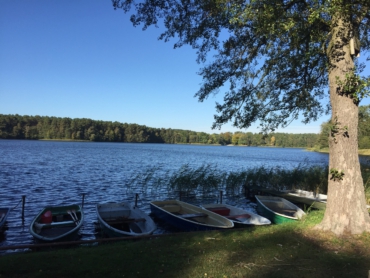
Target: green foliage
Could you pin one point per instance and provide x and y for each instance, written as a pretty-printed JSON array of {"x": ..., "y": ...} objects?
[
  {"x": 364, "y": 121},
  {"x": 145, "y": 180},
  {"x": 364, "y": 142},
  {"x": 36, "y": 127},
  {"x": 270, "y": 57},
  {"x": 202, "y": 180},
  {"x": 207, "y": 180},
  {"x": 354, "y": 86},
  {"x": 323, "y": 140},
  {"x": 365, "y": 170},
  {"x": 314, "y": 179},
  {"x": 336, "y": 174},
  {"x": 234, "y": 182}
]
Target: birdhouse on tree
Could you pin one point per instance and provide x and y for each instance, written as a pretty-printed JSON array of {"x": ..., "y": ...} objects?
[{"x": 354, "y": 45}]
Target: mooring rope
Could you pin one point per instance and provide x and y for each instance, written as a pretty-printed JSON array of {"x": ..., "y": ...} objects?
[{"x": 17, "y": 205}]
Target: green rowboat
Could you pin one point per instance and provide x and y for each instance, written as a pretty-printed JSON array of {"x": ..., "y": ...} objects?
[{"x": 278, "y": 210}]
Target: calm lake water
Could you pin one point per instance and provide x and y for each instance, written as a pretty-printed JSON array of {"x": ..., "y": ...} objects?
[{"x": 57, "y": 173}]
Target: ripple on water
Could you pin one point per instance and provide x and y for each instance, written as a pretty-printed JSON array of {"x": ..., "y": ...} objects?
[{"x": 57, "y": 173}]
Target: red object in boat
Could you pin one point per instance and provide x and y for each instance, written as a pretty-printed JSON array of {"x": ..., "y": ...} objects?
[
  {"x": 47, "y": 217},
  {"x": 224, "y": 211}
]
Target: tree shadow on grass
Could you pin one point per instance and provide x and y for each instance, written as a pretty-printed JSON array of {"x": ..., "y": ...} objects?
[
  {"x": 275, "y": 251},
  {"x": 292, "y": 254}
]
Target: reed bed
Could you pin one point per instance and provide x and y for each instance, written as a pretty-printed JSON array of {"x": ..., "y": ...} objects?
[{"x": 208, "y": 180}]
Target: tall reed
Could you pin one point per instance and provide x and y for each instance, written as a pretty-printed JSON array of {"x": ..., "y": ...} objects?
[{"x": 208, "y": 180}]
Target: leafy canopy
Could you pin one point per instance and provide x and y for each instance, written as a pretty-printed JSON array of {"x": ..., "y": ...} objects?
[{"x": 273, "y": 55}]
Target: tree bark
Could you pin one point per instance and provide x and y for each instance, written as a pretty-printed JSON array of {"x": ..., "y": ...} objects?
[{"x": 346, "y": 211}]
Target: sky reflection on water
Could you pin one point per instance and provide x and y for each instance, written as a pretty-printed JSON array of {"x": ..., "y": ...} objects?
[{"x": 57, "y": 173}]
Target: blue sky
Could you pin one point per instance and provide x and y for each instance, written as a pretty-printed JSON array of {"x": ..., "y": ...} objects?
[{"x": 83, "y": 59}]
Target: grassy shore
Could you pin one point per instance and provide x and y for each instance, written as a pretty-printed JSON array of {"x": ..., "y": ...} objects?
[
  {"x": 288, "y": 250},
  {"x": 326, "y": 150}
]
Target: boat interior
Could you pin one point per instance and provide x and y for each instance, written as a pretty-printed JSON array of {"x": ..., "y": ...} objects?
[
  {"x": 128, "y": 225},
  {"x": 224, "y": 211},
  {"x": 281, "y": 208},
  {"x": 119, "y": 218},
  {"x": 113, "y": 213},
  {"x": 184, "y": 213},
  {"x": 61, "y": 223}
]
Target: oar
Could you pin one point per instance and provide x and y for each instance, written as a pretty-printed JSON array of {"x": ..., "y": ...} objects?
[
  {"x": 73, "y": 218},
  {"x": 74, "y": 213},
  {"x": 2, "y": 216}
]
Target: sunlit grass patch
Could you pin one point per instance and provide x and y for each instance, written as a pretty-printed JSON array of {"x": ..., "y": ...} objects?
[{"x": 286, "y": 250}]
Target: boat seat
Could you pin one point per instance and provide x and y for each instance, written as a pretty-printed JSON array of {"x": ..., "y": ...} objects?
[
  {"x": 193, "y": 215},
  {"x": 114, "y": 213},
  {"x": 124, "y": 220},
  {"x": 171, "y": 208},
  {"x": 55, "y": 224},
  {"x": 289, "y": 212}
]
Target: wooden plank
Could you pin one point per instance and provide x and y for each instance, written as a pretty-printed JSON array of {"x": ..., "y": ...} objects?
[
  {"x": 124, "y": 220},
  {"x": 167, "y": 205},
  {"x": 193, "y": 215},
  {"x": 54, "y": 224}
]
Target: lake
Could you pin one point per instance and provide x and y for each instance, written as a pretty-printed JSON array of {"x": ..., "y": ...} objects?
[{"x": 56, "y": 173}]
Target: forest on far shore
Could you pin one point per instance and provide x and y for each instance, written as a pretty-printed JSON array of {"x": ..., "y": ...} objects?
[{"x": 56, "y": 128}]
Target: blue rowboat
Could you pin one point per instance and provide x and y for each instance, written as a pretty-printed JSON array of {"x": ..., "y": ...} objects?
[
  {"x": 123, "y": 219},
  {"x": 57, "y": 223},
  {"x": 188, "y": 217}
]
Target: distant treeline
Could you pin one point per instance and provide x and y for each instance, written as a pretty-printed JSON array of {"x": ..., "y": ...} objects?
[{"x": 44, "y": 127}]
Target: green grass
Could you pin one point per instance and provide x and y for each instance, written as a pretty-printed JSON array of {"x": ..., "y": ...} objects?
[{"x": 287, "y": 250}]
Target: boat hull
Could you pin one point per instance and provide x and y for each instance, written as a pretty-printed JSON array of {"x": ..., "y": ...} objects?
[
  {"x": 317, "y": 201},
  {"x": 240, "y": 217},
  {"x": 307, "y": 198},
  {"x": 62, "y": 227},
  {"x": 278, "y": 210},
  {"x": 188, "y": 217},
  {"x": 123, "y": 219},
  {"x": 4, "y": 212}
]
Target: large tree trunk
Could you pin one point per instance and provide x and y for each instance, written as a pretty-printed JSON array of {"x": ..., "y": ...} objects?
[{"x": 346, "y": 211}]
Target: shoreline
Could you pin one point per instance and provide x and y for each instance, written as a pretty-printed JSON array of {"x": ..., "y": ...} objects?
[{"x": 365, "y": 152}]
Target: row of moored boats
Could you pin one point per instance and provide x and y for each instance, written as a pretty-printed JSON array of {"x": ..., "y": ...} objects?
[{"x": 60, "y": 223}]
